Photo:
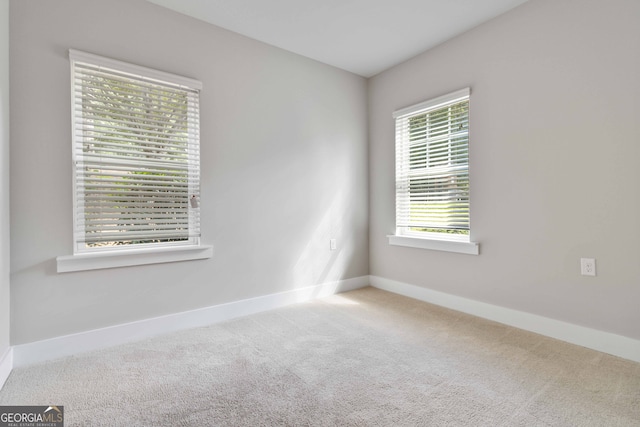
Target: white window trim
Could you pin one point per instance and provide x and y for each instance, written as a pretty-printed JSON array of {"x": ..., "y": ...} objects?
[
  {"x": 142, "y": 255},
  {"x": 147, "y": 73},
  {"x": 434, "y": 241},
  {"x": 131, "y": 257},
  {"x": 462, "y": 247}
]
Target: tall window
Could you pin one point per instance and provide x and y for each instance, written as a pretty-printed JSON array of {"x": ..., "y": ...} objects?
[
  {"x": 432, "y": 168},
  {"x": 136, "y": 156}
]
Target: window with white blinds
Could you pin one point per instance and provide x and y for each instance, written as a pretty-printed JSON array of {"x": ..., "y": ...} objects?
[
  {"x": 432, "y": 168},
  {"x": 136, "y": 156}
]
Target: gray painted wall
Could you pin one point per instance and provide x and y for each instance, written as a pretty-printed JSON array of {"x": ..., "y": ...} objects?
[
  {"x": 555, "y": 151},
  {"x": 4, "y": 178},
  {"x": 284, "y": 167}
]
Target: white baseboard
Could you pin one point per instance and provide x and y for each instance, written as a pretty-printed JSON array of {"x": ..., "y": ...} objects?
[
  {"x": 54, "y": 348},
  {"x": 6, "y": 365},
  {"x": 605, "y": 342},
  {"x": 41, "y": 351}
]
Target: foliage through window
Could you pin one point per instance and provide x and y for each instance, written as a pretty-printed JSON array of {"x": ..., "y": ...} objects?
[
  {"x": 136, "y": 156},
  {"x": 432, "y": 168}
]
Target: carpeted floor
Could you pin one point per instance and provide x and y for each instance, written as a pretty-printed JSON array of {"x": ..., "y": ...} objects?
[{"x": 363, "y": 358}]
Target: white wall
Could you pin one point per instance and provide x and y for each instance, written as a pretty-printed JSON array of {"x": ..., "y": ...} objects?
[
  {"x": 284, "y": 162},
  {"x": 555, "y": 152},
  {"x": 4, "y": 179}
]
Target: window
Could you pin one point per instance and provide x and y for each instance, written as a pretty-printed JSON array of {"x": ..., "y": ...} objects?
[
  {"x": 432, "y": 172},
  {"x": 136, "y": 157}
]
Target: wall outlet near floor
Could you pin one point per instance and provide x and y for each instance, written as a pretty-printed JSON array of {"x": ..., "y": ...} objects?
[
  {"x": 588, "y": 266},
  {"x": 332, "y": 244}
]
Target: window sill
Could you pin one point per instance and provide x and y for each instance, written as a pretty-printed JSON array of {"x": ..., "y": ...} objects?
[
  {"x": 131, "y": 257},
  {"x": 470, "y": 248}
]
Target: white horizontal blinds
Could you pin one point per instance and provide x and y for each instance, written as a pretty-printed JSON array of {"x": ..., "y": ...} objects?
[
  {"x": 432, "y": 166},
  {"x": 136, "y": 153}
]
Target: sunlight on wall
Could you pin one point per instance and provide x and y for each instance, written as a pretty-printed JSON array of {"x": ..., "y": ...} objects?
[{"x": 317, "y": 264}]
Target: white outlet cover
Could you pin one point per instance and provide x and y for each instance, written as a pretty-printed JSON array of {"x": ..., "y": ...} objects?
[{"x": 588, "y": 266}]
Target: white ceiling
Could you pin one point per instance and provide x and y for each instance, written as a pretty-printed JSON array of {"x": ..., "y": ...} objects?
[{"x": 361, "y": 36}]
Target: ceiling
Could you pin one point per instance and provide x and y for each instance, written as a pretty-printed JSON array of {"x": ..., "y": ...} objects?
[{"x": 361, "y": 36}]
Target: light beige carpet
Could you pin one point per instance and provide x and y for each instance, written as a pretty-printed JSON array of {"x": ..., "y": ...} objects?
[{"x": 363, "y": 358}]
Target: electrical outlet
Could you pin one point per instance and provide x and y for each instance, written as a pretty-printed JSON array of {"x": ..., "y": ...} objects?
[
  {"x": 587, "y": 266},
  {"x": 332, "y": 244}
]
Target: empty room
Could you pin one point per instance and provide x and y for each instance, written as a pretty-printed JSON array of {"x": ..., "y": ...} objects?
[{"x": 322, "y": 213}]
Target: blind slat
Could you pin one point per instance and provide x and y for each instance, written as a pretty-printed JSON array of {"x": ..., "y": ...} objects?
[
  {"x": 136, "y": 155},
  {"x": 432, "y": 166}
]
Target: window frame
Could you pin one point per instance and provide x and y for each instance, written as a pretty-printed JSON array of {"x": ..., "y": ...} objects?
[
  {"x": 403, "y": 235},
  {"x": 88, "y": 258}
]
